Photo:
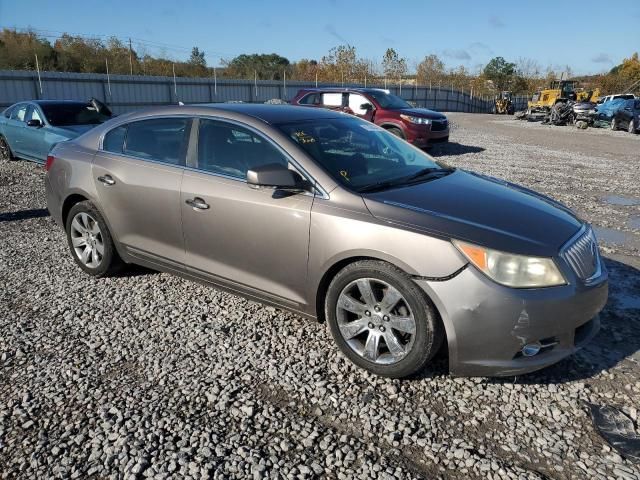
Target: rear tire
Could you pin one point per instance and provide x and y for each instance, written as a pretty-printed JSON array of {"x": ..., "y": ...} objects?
[
  {"x": 90, "y": 241},
  {"x": 5, "y": 151},
  {"x": 397, "y": 318}
]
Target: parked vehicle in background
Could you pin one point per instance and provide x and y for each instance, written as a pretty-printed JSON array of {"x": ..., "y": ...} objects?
[
  {"x": 419, "y": 126},
  {"x": 28, "y": 130},
  {"x": 617, "y": 96},
  {"x": 627, "y": 116},
  {"x": 334, "y": 218},
  {"x": 603, "y": 115}
]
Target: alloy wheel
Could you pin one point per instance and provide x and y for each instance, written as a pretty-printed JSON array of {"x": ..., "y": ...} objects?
[
  {"x": 375, "y": 321},
  {"x": 632, "y": 126},
  {"x": 87, "y": 239}
]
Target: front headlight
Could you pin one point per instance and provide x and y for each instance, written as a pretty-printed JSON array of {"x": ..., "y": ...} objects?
[
  {"x": 417, "y": 120},
  {"x": 517, "y": 271}
]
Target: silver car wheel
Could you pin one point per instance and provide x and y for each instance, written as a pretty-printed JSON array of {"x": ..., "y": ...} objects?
[
  {"x": 375, "y": 321},
  {"x": 87, "y": 240}
]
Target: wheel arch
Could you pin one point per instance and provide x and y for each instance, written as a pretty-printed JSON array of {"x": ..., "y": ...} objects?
[
  {"x": 337, "y": 264},
  {"x": 78, "y": 196},
  {"x": 387, "y": 125}
]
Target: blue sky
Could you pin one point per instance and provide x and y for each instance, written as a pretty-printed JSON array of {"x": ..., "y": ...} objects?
[{"x": 465, "y": 33}]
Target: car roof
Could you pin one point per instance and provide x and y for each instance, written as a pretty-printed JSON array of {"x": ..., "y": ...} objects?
[
  {"x": 345, "y": 89},
  {"x": 272, "y": 114},
  {"x": 58, "y": 102}
]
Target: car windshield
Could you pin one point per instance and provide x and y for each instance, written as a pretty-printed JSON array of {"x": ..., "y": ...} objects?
[
  {"x": 65, "y": 114},
  {"x": 361, "y": 155},
  {"x": 389, "y": 101}
]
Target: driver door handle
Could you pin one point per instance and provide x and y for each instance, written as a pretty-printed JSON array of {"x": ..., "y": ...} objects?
[
  {"x": 107, "y": 180},
  {"x": 198, "y": 203}
]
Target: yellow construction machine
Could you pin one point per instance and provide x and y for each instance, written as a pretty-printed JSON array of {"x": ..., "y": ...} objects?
[{"x": 559, "y": 91}]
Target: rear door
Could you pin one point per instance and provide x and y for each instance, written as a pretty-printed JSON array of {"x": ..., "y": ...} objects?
[
  {"x": 138, "y": 175},
  {"x": 248, "y": 239},
  {"x": 15, "y": 127}
]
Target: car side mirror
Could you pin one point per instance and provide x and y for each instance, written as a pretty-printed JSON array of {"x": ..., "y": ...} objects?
[
  {"x": 275, "y": 175},
  {"x": 366, "y": 106},
  {"x": 34, "y": 123}
]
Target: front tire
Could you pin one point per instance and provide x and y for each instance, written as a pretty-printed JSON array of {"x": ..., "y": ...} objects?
[
  {"x": 396, "y": 131},
  {"x": 381, "y": 320},
  {"x": 614, "y": 124},
  {"x": 632, "y": 126},
  {"x": 90, "y": 241}
]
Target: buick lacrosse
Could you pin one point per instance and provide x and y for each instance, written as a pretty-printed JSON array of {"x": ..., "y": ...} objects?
[{"x": 336, "y": 219}]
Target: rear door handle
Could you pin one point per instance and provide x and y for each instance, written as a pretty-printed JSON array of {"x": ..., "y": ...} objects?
[
  {"x": 198, "y": 203},
  {"x": 107, "y": 180}
]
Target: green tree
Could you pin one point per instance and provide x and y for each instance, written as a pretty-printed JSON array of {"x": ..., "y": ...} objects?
[
  {"x": 500, "y": 72},
  {"x": 266, "y": 66}
]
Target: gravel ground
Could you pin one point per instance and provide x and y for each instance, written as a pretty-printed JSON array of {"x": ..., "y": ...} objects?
[{"x": 148, "y": 375}]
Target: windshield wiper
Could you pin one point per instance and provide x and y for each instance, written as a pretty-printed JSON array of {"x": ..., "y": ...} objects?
[
  {"x": 429, "y": 172},
  {"x": 422, "y": 175}
]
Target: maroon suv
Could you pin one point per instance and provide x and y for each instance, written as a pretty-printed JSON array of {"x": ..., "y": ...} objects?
[{"x": 419, "y": 126}]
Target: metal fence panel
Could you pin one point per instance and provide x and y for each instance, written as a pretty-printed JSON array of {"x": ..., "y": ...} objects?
[{"x": 125, "y": 92}]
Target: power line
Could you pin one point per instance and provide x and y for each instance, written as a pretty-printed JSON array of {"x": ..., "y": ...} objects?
[{"x": 56, "y": 34}]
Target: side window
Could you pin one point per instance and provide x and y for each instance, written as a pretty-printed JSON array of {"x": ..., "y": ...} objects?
[
  {"x": 161, "y": 139},
  {"x": 19, "y": 112},
  {"x": 356, "y": 101},
  {"x": 34, "y": 115},
  {"x": 310, "y": 99},
  {"x": 332, "y": 99},
  {"x": 114, "y": 140},
  {"x": 8, "y": 111},
  {"x": 228, "y": 149}
]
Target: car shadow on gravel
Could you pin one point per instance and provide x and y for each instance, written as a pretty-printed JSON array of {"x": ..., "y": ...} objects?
[
  {"x": 617, "y": 341},
  {"x": 452, "y": 148},
  {"x": 24, "y": 214}
]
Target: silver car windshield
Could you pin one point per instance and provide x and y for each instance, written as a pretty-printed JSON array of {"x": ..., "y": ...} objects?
[{"x": 359, "y": 154}]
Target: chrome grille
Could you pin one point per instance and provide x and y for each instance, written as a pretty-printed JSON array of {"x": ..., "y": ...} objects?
[{"x": 581, "y": 253}]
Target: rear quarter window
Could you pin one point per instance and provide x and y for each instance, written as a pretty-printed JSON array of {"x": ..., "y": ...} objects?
[{"x": 310, "y": 99}]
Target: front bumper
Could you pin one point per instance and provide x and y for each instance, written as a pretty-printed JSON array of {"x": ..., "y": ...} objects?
[
  {"x": 488, "y": 324},
  {"x": 422, "y": 135}
]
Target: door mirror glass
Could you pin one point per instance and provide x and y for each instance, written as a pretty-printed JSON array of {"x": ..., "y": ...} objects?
[
  {"x": 34, "y": 123},
  {"x": 274, "y": 175}
]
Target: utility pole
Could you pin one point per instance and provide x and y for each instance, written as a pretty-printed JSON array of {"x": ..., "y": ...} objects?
[{"x": 130, "y": 58}]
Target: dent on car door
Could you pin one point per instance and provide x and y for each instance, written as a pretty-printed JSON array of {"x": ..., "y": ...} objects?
[
  {"x": 253, "y": 240},
  {"x": 138, "y": 175}
]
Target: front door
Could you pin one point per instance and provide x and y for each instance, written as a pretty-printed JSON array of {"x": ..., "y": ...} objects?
[
  {"x": 35, "y": 145},
  {"x": 251, "y": 240},
  {"x": 356, "y": 104},
  {"x": 138, "y": 174}
]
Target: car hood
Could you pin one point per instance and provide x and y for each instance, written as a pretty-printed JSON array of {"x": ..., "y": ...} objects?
[
  {"x": 73, "y": 131},
  {"x": 479, "y": 209},
  {"x": 423, "y": 112}
]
